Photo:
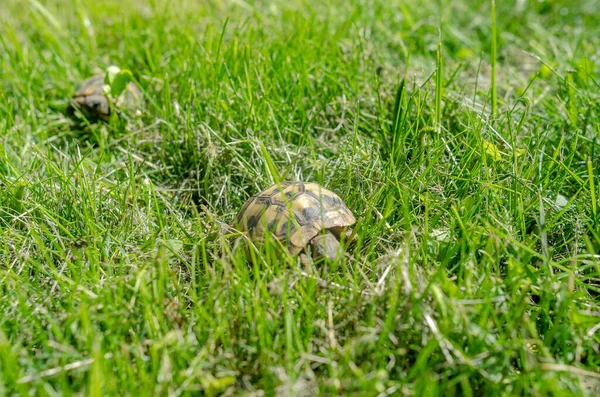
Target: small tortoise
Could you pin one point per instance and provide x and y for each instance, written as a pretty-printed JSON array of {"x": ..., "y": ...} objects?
[
  {"x": 317, "y": 219},
  {"x": 93, "y": 103}
]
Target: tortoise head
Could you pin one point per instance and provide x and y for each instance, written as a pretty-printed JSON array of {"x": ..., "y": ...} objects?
[
  {"x": 94, "y": 105},
  {"x": 325, "y": 246}
]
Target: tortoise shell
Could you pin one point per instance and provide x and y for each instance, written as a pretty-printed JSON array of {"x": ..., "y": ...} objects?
[
  {"x": 93, "y": 103},
  {"x": 294, "y": 213}
]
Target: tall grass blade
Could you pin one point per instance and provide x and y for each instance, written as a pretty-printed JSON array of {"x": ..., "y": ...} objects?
[
  {"x": 398, "y": 118},
  {"x": 438, "y": 85},
  {"x": 494, "y": 38}
]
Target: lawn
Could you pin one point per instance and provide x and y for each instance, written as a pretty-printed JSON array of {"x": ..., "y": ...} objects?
[{"x": 465, "y": 141}]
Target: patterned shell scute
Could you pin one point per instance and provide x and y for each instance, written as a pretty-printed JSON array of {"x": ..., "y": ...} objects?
[
  {"x": 313, "y": 208},
  {"x": 91, "y": 86}
]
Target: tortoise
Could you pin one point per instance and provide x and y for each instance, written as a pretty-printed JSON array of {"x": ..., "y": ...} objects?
[
  {"x": 301, "y": 216},
  {"x": 93, "y": 102}
]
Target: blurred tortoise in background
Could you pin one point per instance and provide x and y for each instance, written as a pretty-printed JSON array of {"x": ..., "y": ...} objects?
[
  {"x": 92, "y": 100},
  {"x": 305, "y": 218}
]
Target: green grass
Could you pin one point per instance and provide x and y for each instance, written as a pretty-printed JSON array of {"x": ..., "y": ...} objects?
[{"x": 476, "y": 270}]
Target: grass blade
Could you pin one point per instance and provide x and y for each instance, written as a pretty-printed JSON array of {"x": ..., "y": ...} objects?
[
  {"x": 494, "y": 38},
  {"x": 438, "y": 85}
]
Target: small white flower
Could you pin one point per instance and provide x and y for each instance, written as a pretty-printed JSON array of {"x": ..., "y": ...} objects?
[{"x": 111, "y": 72}]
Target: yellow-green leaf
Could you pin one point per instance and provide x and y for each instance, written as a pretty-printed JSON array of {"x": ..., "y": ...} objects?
[
  {"x": 492, "y": 150},
  {"x": 213, "y": 386},
  {"x": 545, "y": 71},
  {"x": 120, "y": 82}
]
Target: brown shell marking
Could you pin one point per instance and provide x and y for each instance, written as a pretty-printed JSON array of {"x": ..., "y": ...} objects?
[{"x": 313, "y": 207}]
